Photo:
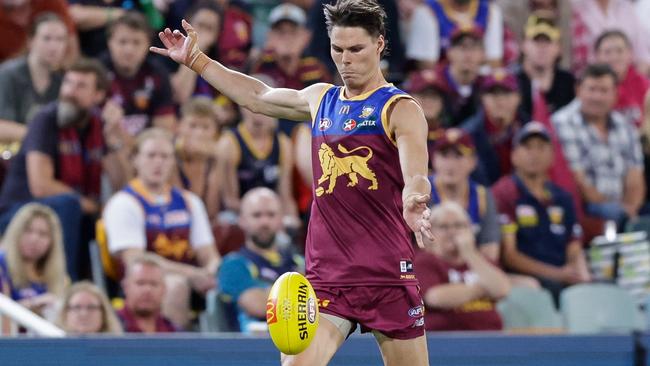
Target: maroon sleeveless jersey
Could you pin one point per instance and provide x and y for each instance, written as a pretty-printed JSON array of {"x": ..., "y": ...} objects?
[{"x": 357, "y": 235}]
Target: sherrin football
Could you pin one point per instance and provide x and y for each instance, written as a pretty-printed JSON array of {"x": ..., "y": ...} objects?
[{"x": 292, "y": 313}]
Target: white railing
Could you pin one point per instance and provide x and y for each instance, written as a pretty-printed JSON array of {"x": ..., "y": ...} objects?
[{"x": 20, "y": 316}]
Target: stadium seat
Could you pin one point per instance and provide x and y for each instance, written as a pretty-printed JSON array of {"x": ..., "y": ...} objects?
[
  {"x": 219, "y": 315},
  {"x": 529, "y": 309},
  {"x": 597, "y": 308}
]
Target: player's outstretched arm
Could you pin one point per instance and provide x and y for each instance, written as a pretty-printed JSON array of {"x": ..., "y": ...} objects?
[
  {"x": 409, "y": 127},
  {"x": 244, "y": 90}
]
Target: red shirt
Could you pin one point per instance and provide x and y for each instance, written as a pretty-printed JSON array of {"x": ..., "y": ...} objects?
[
  {"x": 163, "y": 325},
  {"x": 15, "y": 36},
  {"x": 475, "y": 315},
  {"x": 236, "y": 37},
  {"x": 631, "y": 95}
]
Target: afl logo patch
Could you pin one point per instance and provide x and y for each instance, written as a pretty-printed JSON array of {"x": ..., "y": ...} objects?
[
  {"x": 349, "y": 125},
  {"x": 324, "y": 124}
]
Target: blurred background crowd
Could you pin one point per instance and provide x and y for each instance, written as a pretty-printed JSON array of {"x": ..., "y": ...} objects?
[{"x": 135, "y": 197}]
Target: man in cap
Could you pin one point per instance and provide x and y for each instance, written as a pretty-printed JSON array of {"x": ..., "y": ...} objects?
[
  {"x": 540, "y": 233},
  {"x": 493, "y": 127},
  {"x": 427, "y": 88},
  {"x": 454, "y": 160},
  {"x": 539, "y": 67}
]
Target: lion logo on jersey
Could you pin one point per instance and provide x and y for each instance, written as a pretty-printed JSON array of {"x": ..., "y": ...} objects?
[{"x": 350, "y": 165}]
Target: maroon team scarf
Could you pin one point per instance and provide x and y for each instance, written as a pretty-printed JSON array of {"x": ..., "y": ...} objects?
[{"x": 80, "y": 162}]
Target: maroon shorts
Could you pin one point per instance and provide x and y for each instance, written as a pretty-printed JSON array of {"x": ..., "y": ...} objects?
[{"x": 395, "y": 311}]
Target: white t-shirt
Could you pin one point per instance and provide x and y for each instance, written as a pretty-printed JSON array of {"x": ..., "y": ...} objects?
[
  {"x": 423, "y": 43},
  {"x": 124, "y": 221}
]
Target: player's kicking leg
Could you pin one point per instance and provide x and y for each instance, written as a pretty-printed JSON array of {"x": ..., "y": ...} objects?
[
  {"x": 329, "y": 337},
  {"x": 398, "y": 352}
]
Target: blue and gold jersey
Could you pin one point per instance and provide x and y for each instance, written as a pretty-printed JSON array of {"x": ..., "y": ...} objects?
[
  {"x": 168, "y": 222},
  {"x": 357, "y": 235}
]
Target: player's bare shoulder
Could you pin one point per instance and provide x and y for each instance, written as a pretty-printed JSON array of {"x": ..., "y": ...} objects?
[
  {"x": 405, "y": 112},
  {"x": 313, "y": 95}
]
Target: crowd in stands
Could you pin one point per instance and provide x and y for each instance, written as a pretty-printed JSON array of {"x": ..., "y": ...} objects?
[{"x": 539, "y": 133}]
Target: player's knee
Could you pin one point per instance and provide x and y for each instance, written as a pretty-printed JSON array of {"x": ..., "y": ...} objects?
[{"x": 297, "y": 360}]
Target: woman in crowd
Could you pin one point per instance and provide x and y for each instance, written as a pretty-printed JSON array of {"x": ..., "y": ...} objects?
[
  {"x": 32, "y": 264},
  {"x": 86, "y": 310}
]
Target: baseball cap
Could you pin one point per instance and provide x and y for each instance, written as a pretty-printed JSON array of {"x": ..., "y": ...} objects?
[
  {"x": 499, "y": 78},
  {"x": 529, "y": 130},
  {"x": 455, "y": 138},
  {"x": 537, "y": 26},
  {"x": 465, "y": 30},
  {"x": 419, "y": 81},
  {"x": 288, "y": 12}
]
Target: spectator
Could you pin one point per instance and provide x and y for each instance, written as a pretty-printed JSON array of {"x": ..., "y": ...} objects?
[
  {"x": 602, "y": 148},
  {"x": 144, "y": 290},
  {"x": 63, "y": 157},
  {"x": 255, "y": 154},
  {"x": 29, "y": 82},
  {"x": 247, "y": 275},
  {"x": 541, "y": 235},
  {"x": 493, "y": 127},
  {"x": 207, "y": 18},
  {"x": 140, "y": 90},
  {"x": 91, "y": 18},
  {"x": 453, "y": 162},
  {"x": 427, "y": 88},
  {"x": 282, "y": 59},
  {"x": 591, "y": 18},
  {"x": 86, "y": 310},
  {"x": 615, "y": 49},
  {"x": 435, "y": 22},
  {"x": 460, "y": 287},
  {"x": 540, "y": 72},
  {"x": 32, "y": 265},
  {"x": 196, "y": 155},
  {"x": 153, "y": 216},
  {"x": 17, "y": 18},
  {"x": 461, "y": 75},
  {"x": 236, "y": 36}
]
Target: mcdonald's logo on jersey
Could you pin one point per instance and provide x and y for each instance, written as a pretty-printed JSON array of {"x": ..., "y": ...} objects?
[{"x": 344, "y": 109}]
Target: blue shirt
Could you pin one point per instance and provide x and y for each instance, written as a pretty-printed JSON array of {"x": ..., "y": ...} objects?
[
  {"x": 34, "y": 289},
  {"x": 245, "y": 270}
]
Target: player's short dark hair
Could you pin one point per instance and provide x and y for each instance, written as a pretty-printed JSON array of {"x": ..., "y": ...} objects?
[
  {"x": 597, "y": 71},
  {"x": 132, "y": 20},
  {"x": 367, "y": 14},
  {"x": 612, "y": 33},
  {"x": 45, "y": 17},
  {"x": 92, "y": 66}
]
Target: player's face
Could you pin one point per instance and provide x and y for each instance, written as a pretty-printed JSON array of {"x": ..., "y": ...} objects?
[
  {"x": 197, "y": 128},
  {"x": 533, "y": 156},
  {"x": 261, "y": 219},
  {"x": 356, "y": 54},
  {"x": 615, "y": 52},
  {"x": 84, "y": 314},
  {"x": 501, "y": 105},
  {"x": 597, "y": 96},
  {"x": 155, "y": 161},
  {"x": 49, "y": 44},
  {"x": 144, "y": 289},
  {"x": 452, "y": 167},
  {"x": 36, "y": 240},
  {"x": 128, "y": 49}
]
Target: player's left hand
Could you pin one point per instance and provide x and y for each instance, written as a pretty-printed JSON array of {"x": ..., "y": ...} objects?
[{"x": 416, "y": 214}]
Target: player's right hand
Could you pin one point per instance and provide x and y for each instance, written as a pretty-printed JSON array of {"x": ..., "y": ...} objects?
[{"x": 180, "y": 48}]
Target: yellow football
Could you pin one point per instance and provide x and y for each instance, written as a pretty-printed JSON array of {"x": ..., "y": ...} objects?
[{"x": 292, "y": 313}]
